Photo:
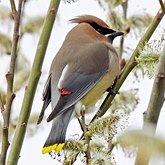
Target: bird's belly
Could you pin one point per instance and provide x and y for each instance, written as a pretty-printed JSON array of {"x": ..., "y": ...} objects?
[{"x": 97, "y": 91}]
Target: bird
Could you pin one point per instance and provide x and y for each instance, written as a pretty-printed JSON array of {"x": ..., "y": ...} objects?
[{"x": 83, "y": 69}]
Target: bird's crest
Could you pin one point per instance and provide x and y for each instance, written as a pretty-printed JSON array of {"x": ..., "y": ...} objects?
[{"x": 89, "y": 19}]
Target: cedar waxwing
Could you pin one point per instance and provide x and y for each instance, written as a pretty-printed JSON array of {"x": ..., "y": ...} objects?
[{"x": 83, "y": 69}]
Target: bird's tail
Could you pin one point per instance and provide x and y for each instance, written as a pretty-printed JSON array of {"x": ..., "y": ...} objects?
[{"x": 56, "y": 138}]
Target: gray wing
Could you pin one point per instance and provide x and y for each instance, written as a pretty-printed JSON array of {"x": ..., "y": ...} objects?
[
  {"x": 46, "y": 98},
  {"x": 82, "y": 76}
]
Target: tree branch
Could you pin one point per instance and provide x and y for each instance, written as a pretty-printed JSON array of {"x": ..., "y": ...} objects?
[
  {"x": 87, "y": 138},
  {"x": 124, "y": 7},
  {"x": 162, "y": 5},
  {"x": 128, "y": 68},
  {"x": 2, "y": 107},
  {"x": 156, "y": 101},
  {"x": 130, "y": 65},
  {"x": 10, "y": 79},
  {"x": 13, "y": 8},
  {"x": 17, "y": 142}
]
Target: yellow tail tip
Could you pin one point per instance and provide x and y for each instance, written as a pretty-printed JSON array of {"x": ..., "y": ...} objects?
[{"x": 56, "y": 147}]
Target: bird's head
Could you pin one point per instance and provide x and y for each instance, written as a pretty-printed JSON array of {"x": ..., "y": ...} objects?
[{"x": 99, "y": 25}]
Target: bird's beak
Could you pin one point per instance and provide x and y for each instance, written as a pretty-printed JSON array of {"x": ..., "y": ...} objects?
[{"x": 115, "y": 34}]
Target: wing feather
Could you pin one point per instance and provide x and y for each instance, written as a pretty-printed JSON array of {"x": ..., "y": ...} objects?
[
  {"x": 46, "y": 98},
  {"x": 82, "y": 76}
]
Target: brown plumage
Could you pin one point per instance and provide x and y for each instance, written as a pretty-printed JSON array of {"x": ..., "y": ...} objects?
[{"x": 84, "y": 67}]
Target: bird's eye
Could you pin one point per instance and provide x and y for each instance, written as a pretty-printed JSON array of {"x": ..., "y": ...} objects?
[{"x": 99, "y": 30}]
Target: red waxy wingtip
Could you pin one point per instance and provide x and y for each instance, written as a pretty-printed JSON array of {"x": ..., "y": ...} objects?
[{"x": 65, "y": 92}]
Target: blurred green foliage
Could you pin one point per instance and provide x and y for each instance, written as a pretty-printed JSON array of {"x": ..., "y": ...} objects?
[
  {"x": 33, "y": 25},
  {"x": 154, "y": 145},
  {"x": 5, "y": 43}
]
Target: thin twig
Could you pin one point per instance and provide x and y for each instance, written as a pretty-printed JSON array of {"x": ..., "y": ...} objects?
[
  {"x": 19, "y": 135},
  {"x": 10, "y": 79},
  {"x": 154, "y": 107},
  {"x": 86, "y": 138},
  {"x": 155, "y": 104},
  {"x": 130, "y": 65},
  {"x": 2, "y": 108},
  {"x": 128, "y": 68},
  {"x": 162, "y": 5},
  {"x": 13, "y": 8},
  {"x": 124, "y": 7}
]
